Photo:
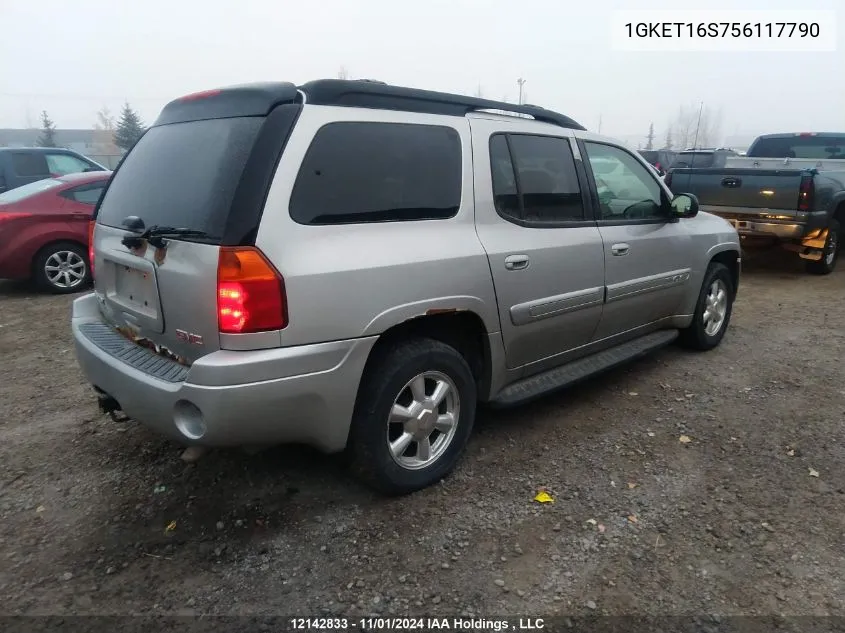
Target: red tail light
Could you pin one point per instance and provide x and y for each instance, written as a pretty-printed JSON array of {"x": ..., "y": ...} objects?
[
  {"x": 250, "y": 292},
  {"x": 805, "y": 193},
  {"x": 91, "y": 226}
]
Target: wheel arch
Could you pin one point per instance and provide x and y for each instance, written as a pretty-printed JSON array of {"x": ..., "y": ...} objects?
[{"x": 462, "y": 329}]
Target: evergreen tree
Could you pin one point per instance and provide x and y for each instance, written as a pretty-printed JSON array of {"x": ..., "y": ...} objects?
[
  {"x": 668, "y": 143},
  {"x": 650, "y": 137},
  {"x": 129, "y": 128},
  {"x": 48, "y": 131}
]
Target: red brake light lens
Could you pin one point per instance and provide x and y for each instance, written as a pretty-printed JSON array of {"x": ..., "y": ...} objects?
[
  {"x": 805, "y": 195},
  {"x": 91, "y": 226},
  {"x": 250, "y": 292}
]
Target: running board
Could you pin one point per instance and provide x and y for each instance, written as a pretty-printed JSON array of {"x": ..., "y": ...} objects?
[{"x": 566, "y": 375}]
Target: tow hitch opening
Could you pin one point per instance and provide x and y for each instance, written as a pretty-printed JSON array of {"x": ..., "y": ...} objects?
[{"x": 109, "y": 405}]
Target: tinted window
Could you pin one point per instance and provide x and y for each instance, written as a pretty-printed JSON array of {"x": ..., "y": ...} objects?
[
  {"x": 505, "y": 194},
  {"x": 626, "y": 189},
  {"x": 61, "y": 164},
  {"x": 86, "y": 194},
  {"x": 182, "y": 175},
  {"x": 19, "y": 193},
  {"x": 697, "y": 159},
  {"x": 546, "y": 181},
  {"x": 378, "y": 172},
  {"x": 30, "y": 164},
  {"x": 818, "y": 147}
]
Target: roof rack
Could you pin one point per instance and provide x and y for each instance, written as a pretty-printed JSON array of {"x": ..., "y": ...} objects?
[{"x": 379, "y": 95}]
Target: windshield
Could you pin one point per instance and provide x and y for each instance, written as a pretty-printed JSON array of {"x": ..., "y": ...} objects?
[
  {"x": 25, "y": 191},
  {"x": 182, "y": 175},
  {"x": 817, "y": 147}
]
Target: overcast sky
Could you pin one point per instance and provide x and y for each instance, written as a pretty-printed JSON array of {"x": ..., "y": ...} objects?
[{"x": 86, "y": 54}]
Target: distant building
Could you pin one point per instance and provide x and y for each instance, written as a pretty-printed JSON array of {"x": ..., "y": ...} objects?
[{"x": 95, "y": 144}]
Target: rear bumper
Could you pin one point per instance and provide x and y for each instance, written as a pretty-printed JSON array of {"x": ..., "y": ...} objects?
[
  {"x": 779, "y": 225},
  {"x": 302, "y": 394}
]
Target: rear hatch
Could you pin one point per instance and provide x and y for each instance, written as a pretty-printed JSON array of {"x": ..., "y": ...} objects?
[
  {"x": 202, "y": 169},
  {"x": 749, "y": 188}
]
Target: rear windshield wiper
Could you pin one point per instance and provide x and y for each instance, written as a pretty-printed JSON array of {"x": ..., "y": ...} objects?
[{"x": 155, "y": 234}]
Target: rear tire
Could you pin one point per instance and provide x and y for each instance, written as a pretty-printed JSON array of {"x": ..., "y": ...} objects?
[
  {"x": 830, "y": 254},
  {"x": 413, "y": 416},
  {"x": 712, "y": 311},
  {"x": 62, "y": 268}
]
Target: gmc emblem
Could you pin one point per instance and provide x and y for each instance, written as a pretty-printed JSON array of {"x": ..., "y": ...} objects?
[{"x": 189, "y": 337}]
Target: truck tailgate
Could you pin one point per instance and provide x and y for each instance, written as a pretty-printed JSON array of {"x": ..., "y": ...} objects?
[{"x": 763, "y": 189}]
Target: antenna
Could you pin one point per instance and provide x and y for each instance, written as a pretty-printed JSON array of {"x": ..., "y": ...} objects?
[
  {"x": 599, "y": 123},
  {"x": 695, "y": 142}
]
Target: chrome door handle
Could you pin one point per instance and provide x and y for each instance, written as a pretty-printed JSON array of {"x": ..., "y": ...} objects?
[
  {"x": 516, "y": 262},
  {"x": 619, "y": 249}
]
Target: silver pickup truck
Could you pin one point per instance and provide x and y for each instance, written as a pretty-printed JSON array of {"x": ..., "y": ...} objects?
[{"x": 788, "y": 190}]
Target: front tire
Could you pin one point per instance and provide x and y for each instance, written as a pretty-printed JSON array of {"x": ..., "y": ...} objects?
[
  {"x": 62, "y": 268},
  {"x": 830, "y": 254},
  {"x": 413, "y": 417},
  {"x": 712, "y": 311}
]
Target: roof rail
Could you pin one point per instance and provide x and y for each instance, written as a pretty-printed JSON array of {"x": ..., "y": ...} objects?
[{"x": 372, "y": 94}]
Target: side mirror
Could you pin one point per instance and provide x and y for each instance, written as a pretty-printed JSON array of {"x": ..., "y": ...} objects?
[{"x": 685, "y": 205}]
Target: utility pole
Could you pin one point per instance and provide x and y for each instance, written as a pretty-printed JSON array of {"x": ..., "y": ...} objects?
[{"x": 520, "y": 82}]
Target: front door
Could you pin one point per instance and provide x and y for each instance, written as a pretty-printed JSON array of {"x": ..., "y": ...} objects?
[
  {"x": 647, "y": 252},
  {"x": 542, "y": 243}
]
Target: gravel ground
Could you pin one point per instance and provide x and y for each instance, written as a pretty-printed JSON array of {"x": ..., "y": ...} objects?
[{"x": 746, "y": 517}]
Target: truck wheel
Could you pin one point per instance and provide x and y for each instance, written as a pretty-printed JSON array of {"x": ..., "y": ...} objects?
[
  {"x": 413, "y": 417},
  {"x": 713, "y": 310},
  {"x": 830, "y": 254},
  {"x": 62, "y": 268}
]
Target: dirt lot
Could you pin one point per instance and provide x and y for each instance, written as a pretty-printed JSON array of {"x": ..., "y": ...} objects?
[{"x": 746, "y": 518}]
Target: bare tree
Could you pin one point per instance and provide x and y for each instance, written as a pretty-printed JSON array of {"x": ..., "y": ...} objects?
[
  {"x": 710, "y": 128},
  {"x": 104, "y": 133},
  {"x": 105, "y": 119},
  {"x": 691, "y": 130},
  {"x": 684, "y": 126},
  {"x": 343, "y": 73},
  {"x": 650, "y": 137}
]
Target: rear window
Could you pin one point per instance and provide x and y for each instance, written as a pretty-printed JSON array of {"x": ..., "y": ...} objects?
[
  {"x": 817, "y": 147},
  {"x": 182, "y": 175},
  {"x": 25, "y": 191},
  {"x": 357, "y": 172},
  {"x": 695, "y": 159}
]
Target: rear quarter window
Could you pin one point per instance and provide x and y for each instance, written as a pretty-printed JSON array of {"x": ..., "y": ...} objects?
[{"x": 359, "y": 172}]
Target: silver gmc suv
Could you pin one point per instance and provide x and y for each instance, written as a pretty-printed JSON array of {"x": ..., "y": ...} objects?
[{"x": 356, "y": 266}]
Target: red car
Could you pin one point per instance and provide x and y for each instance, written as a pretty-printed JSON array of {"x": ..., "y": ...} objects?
[{"x": 44, "y": 230}]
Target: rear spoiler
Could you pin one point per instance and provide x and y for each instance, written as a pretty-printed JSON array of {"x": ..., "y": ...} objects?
[{"x": 235, "y": 101}]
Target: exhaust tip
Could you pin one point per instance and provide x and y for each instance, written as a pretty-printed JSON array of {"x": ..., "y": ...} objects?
[{"x": 189, "y": 420}]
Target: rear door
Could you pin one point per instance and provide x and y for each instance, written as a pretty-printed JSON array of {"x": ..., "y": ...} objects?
[
  {"x": 26, "y": 167},
  {"x": 542, "y": 243},
  {"x": 180, "y": 175},
  {"x": 647, "y": 255}
]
